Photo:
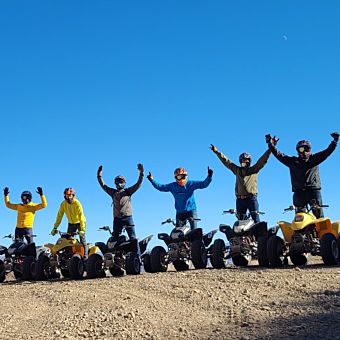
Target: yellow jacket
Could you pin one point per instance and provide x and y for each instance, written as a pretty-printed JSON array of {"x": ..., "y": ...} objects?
[
  {"x": 74, "y": 213},
  {"x": 26, "y": 212}
]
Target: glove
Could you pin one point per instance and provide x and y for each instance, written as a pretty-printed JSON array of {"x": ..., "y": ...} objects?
[
  {"x": 6, "y": 191},
  {"x": 81, "y": 233},
  {"x": 99, "y": 171},
  {"x": 335, "y": 136},
  {"x": 54, "y": 231},
  {"x": 210, "y": 172},
  {"x": 140, "y": 168},
  {"x": 40, "y": 191},
  {"x": 275, "y": 140},
  {"x": 149, "y": 177},
  {"x": 213, "y": 148},
  {"x": 268, "y": 138}
]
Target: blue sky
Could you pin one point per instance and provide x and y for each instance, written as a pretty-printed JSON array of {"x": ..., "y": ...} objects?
[{"x": 85, "y": 83}]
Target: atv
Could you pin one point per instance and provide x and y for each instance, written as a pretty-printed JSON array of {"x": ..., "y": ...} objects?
[
  {"x": 185, "y": 245},
  {"x": 117, "y": 255},
  {"x": 66, "y": 256},
  {"x": 247, "y": 241},
  {"x": 305, "y": 235},
  {"x": 18, "y": 258}
]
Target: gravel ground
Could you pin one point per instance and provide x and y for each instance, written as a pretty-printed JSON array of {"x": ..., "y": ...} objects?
[{"x": 235, "y": 303}]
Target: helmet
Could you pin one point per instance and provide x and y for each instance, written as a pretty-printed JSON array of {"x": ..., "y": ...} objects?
[
  {"x": 245, "y": 158},
  {"x": 181, "y": 176},
  {"x": 120, "y": 182},
  {"x": 69, "y": 194},
  {"x": 304, "y": 147},
  {"x": 26, "y": 197}
]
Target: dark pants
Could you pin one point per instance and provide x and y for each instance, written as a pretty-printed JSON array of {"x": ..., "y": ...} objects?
[
  {"x": 26, "y": 233},
  {"x": 118, "y": 225},
  {"x": 72, "y": 228},
  {"x": 183, "y": 217},
  {"x": 249, "y": 203},
  {"x": 302, "y": 198}
]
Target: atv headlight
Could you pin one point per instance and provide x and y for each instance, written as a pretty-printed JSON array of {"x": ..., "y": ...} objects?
[{"x": 298, "y": 218}]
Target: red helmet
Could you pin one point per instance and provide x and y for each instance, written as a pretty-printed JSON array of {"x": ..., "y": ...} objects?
[{"x": 181, "y": 176}]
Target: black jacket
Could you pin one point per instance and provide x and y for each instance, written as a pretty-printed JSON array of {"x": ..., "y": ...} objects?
[{"x": 304, "y": 175}]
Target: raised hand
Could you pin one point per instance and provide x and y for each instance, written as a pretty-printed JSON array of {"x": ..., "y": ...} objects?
[
  {"x": 149, "y": 177},
  {"x": 210, "y": 172},
  {"x": 140, "y": 168},
  {"x": 99, "y": 171},
  {"x": 335, "y": 136},
  {"x": 40, "y": 191},
  {"x": 213, "y": 148},
  {"x": 6, "y": 191}
]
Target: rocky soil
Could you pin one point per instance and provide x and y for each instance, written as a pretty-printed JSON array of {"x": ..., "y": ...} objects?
[{"x": 233, "y": 303}]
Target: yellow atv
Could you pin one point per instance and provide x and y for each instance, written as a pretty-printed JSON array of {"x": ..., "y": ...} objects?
[
  {"x": 305, "y": 235},
  {"x": 66, "y": 256}
]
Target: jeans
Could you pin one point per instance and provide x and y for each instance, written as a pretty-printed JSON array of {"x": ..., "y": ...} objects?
[
  {"x": 250, "y": 203},
  {"x": 119, "y": 223},
  {"x": 72, "y": 228},
  {"x": 302, "y": 198},
  {"x": 183, "y": 217},
  {"x": 26, "y": 233}
]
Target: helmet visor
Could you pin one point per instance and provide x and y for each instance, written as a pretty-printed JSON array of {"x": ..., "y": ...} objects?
[
  {"x": 181, "y": 177},
  {"x": 304, "y": 148}
]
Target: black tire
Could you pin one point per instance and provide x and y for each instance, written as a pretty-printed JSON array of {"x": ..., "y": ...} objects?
[
  {"x": 298, "y": 259},
  {"x": 241, "y": 261},
  {"x": 147, "y": 263},
  {"x": 329, "y": 249},
  {"x": 132, "y": 263},
  {"x": 275, "y": 251},
  {"x": 76, "y": 267},
  {"x": 42, "y": 268},
  {"x": 116, "y": 271},
  {"x": 199, "y": 255},
  {"x": 157, "y": 259},
  {"x": 65, "y": 273},
  {"x": 28, "y": 268},
  {"x": 94, "y": 266},
  {"x": 17, "y": 273},
  {"x": 180, "y": 265},
  {"x": 217, "y": 254},
  {"x": 2, "y": 272},
  {"x": 262, "y": 256}
]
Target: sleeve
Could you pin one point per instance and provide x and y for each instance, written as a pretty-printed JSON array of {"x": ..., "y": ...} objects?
[
  {"x": 201, "y": 184},
  {"x": 227, "y": 162},
  {"x": 319, "y": 157},
  {"x": 162, "y": 187},
  {"x": 59, "y": 216},
  {"x": 107, "y": 189},
  {"x": 284, "y": 159},
  {"x": 42, "y": 205},
  {"x": 136, "y": 186},
  {"x": 260, "y": 163},
  {"x": 9, "y": 204},
  {"x": 82, "y": 218}
]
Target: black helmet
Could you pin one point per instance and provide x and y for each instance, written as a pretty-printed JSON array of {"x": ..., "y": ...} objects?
[
  {"x": 120, "y": 182},
  {"x": 244, "y": 155},
  {"x": 303, "y": 144},
  {"x": 26, "y": 196}
]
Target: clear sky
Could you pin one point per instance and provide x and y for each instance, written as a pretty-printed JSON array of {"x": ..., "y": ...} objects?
[{"x": 84, "y": 83}]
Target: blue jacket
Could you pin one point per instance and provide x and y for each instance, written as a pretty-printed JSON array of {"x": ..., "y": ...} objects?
[{"x": 184, "y": 196}]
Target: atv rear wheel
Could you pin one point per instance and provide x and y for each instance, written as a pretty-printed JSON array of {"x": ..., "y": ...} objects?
[
  {"x": 28, "y": 268},
  {"x": 217, "y": 254},
  {"x": 116, "y": 271},
  {"x": 241, "y": 260},
  {"x": 2, "y": 272},
  {"x": 76, "y": 267},
  {"x": 275, "y": 251},
  {"x": 199, "y": 255},
  {"x": 42, "y": 268},
  {"x": 157, "y": 259},
  {"x": 298, "y": 259},
  {"x": 132, "y": 263},
  {"x": 329, "y": 249},
  {"x": 94, "y": 266},
  {"x": 17, "y": 273},
  {"x": 262, "y": 256},
  {"x": 147, "y": 263},
  {"x": 180, "y": 265}
]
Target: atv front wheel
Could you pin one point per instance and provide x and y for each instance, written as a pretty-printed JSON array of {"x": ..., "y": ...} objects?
[
  {"x": 157, "y": 259},
  {"x": 28, "y": 268},
  {"x": 275, "y": 251},
  {"x": 94, "y": 266},
  {"x": 241, "y": 260},
  {"x": 180, "y": 265},
  {"x": 199, "y": 256},
  {"x": 132, "y": 263},
  {"x": 329, "y": 249},
  {"x": 116, "y": 271},
  {"x": 2, "y": 272},
  {"x": 262, "y": 256},
  {"x": 217, "y": 254},
  {"x": 298, "y": 259},
  {"x": 147, "y": 263},
  {"x": 76, "y": 267}
]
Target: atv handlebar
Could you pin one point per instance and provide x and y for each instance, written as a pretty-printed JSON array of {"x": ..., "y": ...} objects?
[
  {"x": 234, "y": 211},
  {"x": 308, "y": 208}
]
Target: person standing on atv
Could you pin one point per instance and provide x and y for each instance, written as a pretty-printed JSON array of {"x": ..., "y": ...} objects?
[
  {"x": 26, "y": 212},
  {"x": 121, "y": 200},
  {"x": 304, "y": 171},
  {"x": 183, "y": 192},
  {"x": 246, "y": 181},
  {"x": 73, "y": 210}
]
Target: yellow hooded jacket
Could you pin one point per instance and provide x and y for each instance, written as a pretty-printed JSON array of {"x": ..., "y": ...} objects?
[
  {"x": 74, "y": 213},
  {"x": 26, "y": 212}
]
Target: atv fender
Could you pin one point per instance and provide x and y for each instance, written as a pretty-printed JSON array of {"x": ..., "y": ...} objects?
[
  {"x": 165, "y": 237},
  {"x": 3, "y": 250},
  {"x": 336, "y": 228},
  {"x": 325, "y": 226},
  {"x": 129, "y": 246},
  {"x": 144, "y": 243},
  {"x": 259, "y": 229},
  {"x": 227, "y": 230},
  {"x": 207, "y": 238},
  {"x": 102, "y": 247},
  {"x": 94, "y": 249},
  {"x": 42, "y": 250},
  {"x": 195, "y": 234}
]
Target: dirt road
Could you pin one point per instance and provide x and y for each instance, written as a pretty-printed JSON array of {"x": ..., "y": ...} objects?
[{"x": 233, "y": 303}]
